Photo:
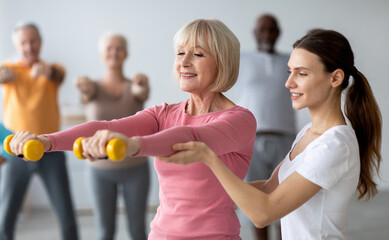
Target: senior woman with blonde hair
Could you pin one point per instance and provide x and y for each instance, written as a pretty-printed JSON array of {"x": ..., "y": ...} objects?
[{"x": 193, "y": 205}]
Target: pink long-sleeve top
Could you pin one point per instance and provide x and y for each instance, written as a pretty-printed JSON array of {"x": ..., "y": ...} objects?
[{"x": 193, "y": 204}]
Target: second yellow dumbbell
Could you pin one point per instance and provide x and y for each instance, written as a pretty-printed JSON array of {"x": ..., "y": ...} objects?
[
  {"x": 32, "y": 149},
  {"x": 116, "y": 149}
]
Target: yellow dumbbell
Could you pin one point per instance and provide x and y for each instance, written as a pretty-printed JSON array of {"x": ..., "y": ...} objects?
[
  {"x": 116, "y": 149},
  {"x": 32, "y": 149}
]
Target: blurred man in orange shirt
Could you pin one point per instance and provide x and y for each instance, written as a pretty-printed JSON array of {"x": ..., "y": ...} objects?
[{"x": 30, "y": 104}]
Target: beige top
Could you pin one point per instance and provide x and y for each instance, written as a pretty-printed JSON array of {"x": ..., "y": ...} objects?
[{"x": 103, "y": 106}]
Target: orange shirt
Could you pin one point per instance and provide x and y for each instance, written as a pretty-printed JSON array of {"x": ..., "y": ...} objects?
[{"x": 31, "y": 104}]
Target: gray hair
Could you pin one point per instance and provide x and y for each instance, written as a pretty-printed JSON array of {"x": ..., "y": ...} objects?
[
  {"x": 24, "y": 25},
  {"x": 109, "y": 35}
]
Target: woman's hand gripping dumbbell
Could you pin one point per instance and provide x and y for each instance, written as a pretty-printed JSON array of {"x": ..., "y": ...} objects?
[
  {"x": 31, "y": 149},
  {"x": 102, "y": 144},
  {"x": 116, "y": 149},
  {"x": 105, "y": 144}
]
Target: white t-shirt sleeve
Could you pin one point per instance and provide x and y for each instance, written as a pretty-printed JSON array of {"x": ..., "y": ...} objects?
[{"x": 326, "y": 161}]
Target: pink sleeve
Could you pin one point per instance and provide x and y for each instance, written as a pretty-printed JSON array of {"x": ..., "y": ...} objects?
[
  {"x": 140, "y": 124},
  {"x": 231, "y": 132}
]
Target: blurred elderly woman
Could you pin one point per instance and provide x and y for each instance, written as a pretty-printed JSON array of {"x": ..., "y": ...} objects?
[
  {"x": 114, "y": 96},
  {"x": 193, "y": 204}
]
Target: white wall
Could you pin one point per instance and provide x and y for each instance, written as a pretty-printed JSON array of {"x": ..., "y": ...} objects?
[{"x": 71, "y": 28}]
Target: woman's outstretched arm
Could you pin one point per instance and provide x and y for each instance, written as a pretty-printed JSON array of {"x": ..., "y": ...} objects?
[{"x": 262, "y": 208}]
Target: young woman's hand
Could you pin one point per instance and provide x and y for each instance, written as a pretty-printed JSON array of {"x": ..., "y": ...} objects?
[{"x": 190, "y": 152}]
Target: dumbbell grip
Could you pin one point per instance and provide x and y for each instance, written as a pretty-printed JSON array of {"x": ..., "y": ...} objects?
[
  {"x": 32, "y": 149},
  {"x": 116, "y": 149}
]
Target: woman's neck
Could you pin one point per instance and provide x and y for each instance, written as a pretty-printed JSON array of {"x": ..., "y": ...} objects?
[
  {"x": 212, "y": 102},
  {"x": 324, "y": 120}
]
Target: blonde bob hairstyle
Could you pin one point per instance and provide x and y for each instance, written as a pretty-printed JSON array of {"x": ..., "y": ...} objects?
[
  {"x": 214, "y": 37},
  {"x": 106, "y": 36}
]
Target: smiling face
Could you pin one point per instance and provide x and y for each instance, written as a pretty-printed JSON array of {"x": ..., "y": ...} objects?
[
  {"x": 28, "y": 43},
  {"x": 309, "y": 82},
  {"x": 195, "y": 67},
  {"x": 113, "y": 52}
]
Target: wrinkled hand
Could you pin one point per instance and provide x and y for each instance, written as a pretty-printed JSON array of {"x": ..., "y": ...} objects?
[
  {"x": 20, "y": 138},
  {"x": 6, "y": 74},
  {"x": 95, "y": 147},
  {"x": 190, "y": 152},
  {"x": 40, "y": 69}
]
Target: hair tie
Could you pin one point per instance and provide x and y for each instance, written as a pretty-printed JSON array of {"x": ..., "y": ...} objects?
[{"x": 354, "y": 71}]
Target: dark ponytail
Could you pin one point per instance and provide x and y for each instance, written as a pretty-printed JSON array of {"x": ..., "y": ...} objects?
[
  {"x": 363, "y": 112},
  {"x": 361, "y": 108}
]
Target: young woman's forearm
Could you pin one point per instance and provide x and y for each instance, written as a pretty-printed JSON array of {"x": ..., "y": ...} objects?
[{"x": 250, "y": 200}]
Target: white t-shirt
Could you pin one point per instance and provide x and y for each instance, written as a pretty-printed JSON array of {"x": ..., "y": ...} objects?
[
  {"x": 332, "y": 162},
  {"x": 261, "y": 89}
]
